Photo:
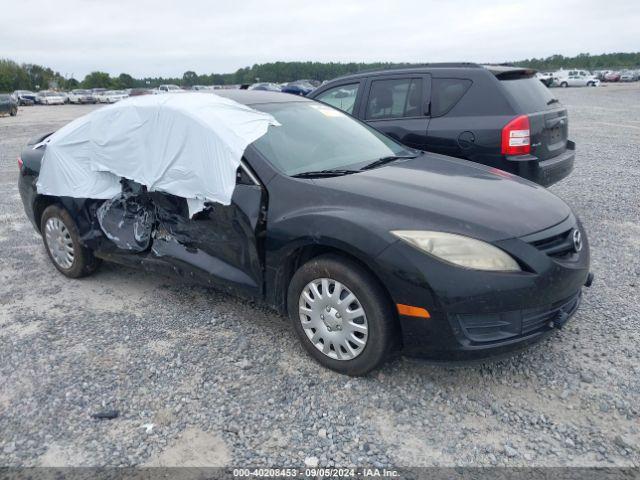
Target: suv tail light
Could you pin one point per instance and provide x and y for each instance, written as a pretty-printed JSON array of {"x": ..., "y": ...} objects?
[{"x": 516, "y": 138}]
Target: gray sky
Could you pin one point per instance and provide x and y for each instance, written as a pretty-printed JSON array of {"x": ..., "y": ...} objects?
[{"x": 166, "y": 38}]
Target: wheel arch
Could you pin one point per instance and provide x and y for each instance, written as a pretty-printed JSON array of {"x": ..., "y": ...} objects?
[
  {"x": 301, "y": 254},
  {"x": 40, "y": 203}
]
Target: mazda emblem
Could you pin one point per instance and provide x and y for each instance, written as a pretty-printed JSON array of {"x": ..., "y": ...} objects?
[{"x": 577, "y": 240}]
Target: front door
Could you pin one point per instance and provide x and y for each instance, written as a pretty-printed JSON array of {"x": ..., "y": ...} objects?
[{"x": 221, "y": 245}]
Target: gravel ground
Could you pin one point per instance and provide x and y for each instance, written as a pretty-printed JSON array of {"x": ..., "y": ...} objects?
[{"x": 202, "y": 378}]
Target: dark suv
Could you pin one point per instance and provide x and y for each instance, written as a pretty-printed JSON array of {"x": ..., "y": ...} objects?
[{"x": 495, "y": 115}]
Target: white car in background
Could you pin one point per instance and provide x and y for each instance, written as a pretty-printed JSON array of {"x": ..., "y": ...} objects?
[
  {"x": 575, "y": 78},
  {"x": 49, "y": 98},
  {"x": 113, "y": 96},
  {"x": 81, "y": 96},
  {"x": 546, "y": 78}
]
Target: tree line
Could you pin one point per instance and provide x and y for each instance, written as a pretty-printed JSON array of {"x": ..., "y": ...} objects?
[{"x": 14, "y": 76}]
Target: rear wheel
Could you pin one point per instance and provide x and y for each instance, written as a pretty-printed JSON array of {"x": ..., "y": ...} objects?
[
  {"x": 564, "y": 84},
  {"x": 591, "y": 84},
  {"x": 62, "y": 242},
  {"x": 341, "y": 315}
]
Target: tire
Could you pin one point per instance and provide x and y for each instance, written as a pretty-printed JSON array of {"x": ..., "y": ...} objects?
[
  {"x": 14, "y": 112},
  {"x": 82, "y": 261},
  {"x": 564, "y": 84},
  {"x": 378, "y": 319},
  {"x": 591, "y": 84}
]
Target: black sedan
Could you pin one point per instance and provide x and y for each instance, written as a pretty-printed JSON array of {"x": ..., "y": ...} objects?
[
  {"x": 8, "y": 104},
  {"x": 368, "y": 246}
]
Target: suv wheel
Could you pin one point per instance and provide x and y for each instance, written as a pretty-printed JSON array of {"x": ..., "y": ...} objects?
[
  {"x": 564, "y": 84},
  {"x": 62, "y": 242},
  {"x": 341, "y": 315}
]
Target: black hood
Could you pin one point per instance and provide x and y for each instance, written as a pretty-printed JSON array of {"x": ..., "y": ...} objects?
[{"x": 447, "y": 194}]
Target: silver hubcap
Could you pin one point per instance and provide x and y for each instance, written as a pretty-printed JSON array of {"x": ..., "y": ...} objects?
[
  {"x": 59, "y": 242},
  {"x": 333, "y": 319}
]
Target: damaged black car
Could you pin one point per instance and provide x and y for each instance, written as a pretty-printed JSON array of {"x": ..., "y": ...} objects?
[{"x": 369, "y": 247}]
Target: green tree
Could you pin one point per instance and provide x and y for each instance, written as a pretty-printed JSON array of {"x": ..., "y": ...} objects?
[
  {"x": 190, "y": 78},
  {"x": 125, "y": 80},
  {"x": 97, "y": 80},
  {"x": 71, "y": 83}
]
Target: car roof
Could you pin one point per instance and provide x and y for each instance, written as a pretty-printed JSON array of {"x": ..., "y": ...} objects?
[
  {"x": 497, "y": 70},
  {"x": 255, "y": 97}
]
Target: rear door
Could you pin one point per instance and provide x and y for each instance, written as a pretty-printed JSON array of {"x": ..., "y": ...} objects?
[
  {"x": 549, "y": 123},
  {"x": 398, "y": 106},
  {"x": 451, "y": 132},
  {"x": 221, "y": 245}
]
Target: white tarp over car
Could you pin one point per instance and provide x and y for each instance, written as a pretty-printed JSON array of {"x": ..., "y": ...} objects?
[{"x": 188, "y": 145}]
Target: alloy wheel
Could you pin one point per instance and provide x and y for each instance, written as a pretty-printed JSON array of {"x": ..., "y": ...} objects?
[{"x": 333, "y": 319}]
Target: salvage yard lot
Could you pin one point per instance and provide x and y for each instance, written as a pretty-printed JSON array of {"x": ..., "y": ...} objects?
[{"x": 202, "y": 378}]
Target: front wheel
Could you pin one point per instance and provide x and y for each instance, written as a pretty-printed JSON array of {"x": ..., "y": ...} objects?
[
  {"x": 14, "y": 112},
  {"x": 341, "y": 315},
  {"x": 564, "y": 84},
  {"x": 62, "y": 242}
]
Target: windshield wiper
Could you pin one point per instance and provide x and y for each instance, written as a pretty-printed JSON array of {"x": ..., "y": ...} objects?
[
  {"x": 553, "y": 100},
  {"x": 385, "y": 160},
  {"x": 325, "y": 173}
]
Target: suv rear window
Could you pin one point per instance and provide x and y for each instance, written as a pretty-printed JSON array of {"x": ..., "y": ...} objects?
[
  {"x": 445, "y": 93},
  {"x": 529, "y": 94}
]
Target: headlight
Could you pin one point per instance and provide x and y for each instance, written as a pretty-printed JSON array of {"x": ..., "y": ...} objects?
[{"x": 460, "y": 250}]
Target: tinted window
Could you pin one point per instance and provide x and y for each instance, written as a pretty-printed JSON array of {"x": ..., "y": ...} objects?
[
  {"x": 313, "y": 136},
  {"x": 446, "y": 92},
  {"x": 342, "y": 97},
  {"x": 394, "y": 98},
  {"x": 529, "y": 94}
]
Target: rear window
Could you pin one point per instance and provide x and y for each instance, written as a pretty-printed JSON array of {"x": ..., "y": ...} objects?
[
  {"x": 529, "y": 94},
  {"x": 445, "y": 93}
]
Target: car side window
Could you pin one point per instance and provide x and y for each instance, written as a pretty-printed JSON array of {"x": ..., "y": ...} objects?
[
  {"x": 394, "y": 98},
  {"x": 446, "y": 92},
  {"x": 342, "y": 97}
]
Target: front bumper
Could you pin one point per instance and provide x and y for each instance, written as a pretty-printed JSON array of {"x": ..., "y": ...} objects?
[
  {"x": 543, "y": 172},
  {"x": 475, "y": 313}
]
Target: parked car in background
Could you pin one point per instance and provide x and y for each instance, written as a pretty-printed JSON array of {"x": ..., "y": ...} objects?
[
  {"x": 628, "y": 76},
  {"x": 499, "y": 116},
  {"x": 81, "y": 96},
  {"x": 113, "y": 96},
  {"x": 25, "y": 97},
  {"x": 576, "y": 78},
  {"x": 169, "y": 89},
  {"x": 299, "y": 87},
  {"x": 8, "y": 104},
  {"x": 272, "y": 87},
  {"x": 99, "y": 96},
  {"x": 136, "y": 92},
  {"x": 612, "y": 77},
  {"x": 46, "y": 97},
  {"x": 97, "y": 93},
  {"x": 546, "y": 78},
  {"x": 64, "y": 95}
]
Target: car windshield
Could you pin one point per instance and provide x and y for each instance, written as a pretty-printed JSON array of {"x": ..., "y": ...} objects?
[{"x": 314, "y": 137}]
